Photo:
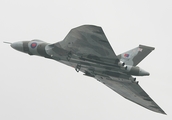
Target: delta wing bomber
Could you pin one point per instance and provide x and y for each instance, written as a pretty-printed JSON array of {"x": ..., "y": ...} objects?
[{"x": 87, "y": 49}]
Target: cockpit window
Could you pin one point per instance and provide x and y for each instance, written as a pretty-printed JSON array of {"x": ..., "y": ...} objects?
[{"x": 37, "y": 40}]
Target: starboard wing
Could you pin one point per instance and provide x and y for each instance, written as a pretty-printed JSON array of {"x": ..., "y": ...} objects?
[
  {"x": 131, "y": 91},
  {"x": 89, "y": 42}
]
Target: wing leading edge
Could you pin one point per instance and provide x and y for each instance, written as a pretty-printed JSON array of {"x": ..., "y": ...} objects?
[{"x": 131, "y": 91}]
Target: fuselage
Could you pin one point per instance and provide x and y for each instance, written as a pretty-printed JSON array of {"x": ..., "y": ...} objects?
[{"x": 80, "y": 63}]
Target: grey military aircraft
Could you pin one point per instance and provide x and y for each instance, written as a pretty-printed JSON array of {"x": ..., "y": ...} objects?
[{"x": 87, "y": 49}]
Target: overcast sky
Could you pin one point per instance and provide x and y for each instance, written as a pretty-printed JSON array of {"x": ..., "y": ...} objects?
[{"x": 35, "y": 88}]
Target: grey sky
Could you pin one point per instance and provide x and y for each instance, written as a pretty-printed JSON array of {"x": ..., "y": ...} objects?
[{"x": 35, "y": 88}]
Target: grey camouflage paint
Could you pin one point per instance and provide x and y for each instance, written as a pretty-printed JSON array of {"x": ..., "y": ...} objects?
[
  {"x": 87, "y": 49},
  {"x": 136, "y": 55}
]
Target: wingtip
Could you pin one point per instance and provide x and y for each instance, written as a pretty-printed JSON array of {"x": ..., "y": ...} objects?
[{"x": 164, "y": 113}]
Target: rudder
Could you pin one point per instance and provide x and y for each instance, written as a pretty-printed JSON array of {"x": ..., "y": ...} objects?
[{"x": 136, "y": 55}]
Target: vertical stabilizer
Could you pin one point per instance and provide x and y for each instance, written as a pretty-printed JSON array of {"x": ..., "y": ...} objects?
[{"x": 136, "y": 55}]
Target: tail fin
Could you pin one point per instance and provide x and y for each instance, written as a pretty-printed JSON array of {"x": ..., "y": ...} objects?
[{"x": 136, "y": 55}]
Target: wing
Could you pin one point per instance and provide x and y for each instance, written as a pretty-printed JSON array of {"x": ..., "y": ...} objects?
[
  {"x": 131, "y": 91},
  {"x": 89, "y": 42}
]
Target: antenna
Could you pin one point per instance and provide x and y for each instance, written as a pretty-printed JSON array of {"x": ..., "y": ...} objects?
[{"x": 7, "y": 43}]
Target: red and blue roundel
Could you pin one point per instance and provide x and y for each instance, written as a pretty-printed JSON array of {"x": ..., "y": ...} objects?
[
  {"x": 33, "y": 45},
  {"x": 126, "y": 55}
]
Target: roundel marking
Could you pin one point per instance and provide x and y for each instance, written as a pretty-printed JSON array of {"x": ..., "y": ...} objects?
[
  {"x": 126, "y": 55},
  {"x": 33, "y": 45}
]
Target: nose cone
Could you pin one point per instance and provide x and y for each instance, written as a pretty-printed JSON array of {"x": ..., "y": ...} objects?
[
  {"x": 143, "y": 72},
  {"x": 17, "y": 46}
]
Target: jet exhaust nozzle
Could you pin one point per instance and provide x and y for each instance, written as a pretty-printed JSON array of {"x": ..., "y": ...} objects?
[{"x": 121, "y": 64}]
